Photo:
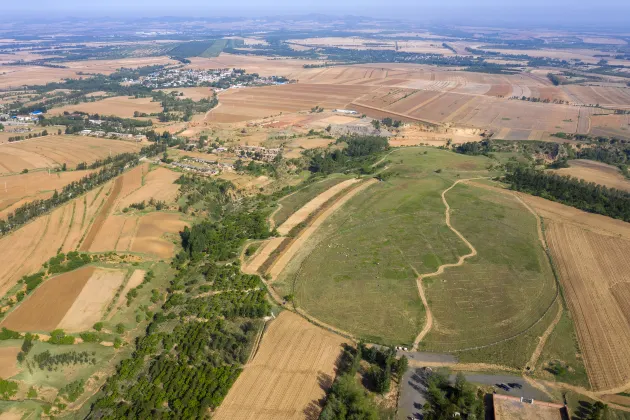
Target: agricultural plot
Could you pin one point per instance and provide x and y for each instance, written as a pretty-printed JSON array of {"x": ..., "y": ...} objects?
[
  {"x": 593, "y": 268},
  {"x": 611, "y": 126},
  {"x": 120, "y": 106},
  {"x": 502, "y": 291},
  {"x": 288, "y": 375},
  {"x": 73, "y": 300},
  {"x": 152, "y": 227},
  {"x": 369, "y": 252},
  {"x": 54, "y": 151},
  {"x": 17, "y": 190},
  {"x": 245, "y": 104},
  {"x": 597, "y": 172}
]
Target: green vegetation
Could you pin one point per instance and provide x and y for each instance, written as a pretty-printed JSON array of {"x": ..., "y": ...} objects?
[
  {"x": 445, "y": 399},
  {"x": 8, "y": 389},
  {"x": 505, "y": 289},
  {"x": 73, "y": 390},
  {"x": 359, "y": 155},
  {"x": 299, "y": 198},
  {"x": 60, "y": 337},
  {"x": 586, "y": 196},
  {"x": 210, "y": 48},
  {"x": 562, "y": 349},
  {"x": 358, "y": 272},
  {"x": 347, "y": 399}
]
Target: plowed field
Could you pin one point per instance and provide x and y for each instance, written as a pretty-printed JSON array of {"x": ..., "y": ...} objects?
[
  {"x": 594, "y": 270},
  {"x": 288, "y": 376}
]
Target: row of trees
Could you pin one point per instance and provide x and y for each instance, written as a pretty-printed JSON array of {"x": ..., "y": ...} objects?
[
  {"x": 114, "y": 166},
  {"x": 571, "y": 191}
]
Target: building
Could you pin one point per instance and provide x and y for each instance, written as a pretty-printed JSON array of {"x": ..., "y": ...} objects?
[{"x": 85, "y": 132}]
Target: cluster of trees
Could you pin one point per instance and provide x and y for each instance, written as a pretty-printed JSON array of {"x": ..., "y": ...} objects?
[
  {"x": 221, "y": 241},
  {"x": 555, "y": 79},
  {"x": 360, "y": 153},
  {"x": 586, "y": 196},
  {"x": 347, "y": 399},
  {"x": 62, "y": 263},
  {"x": 113, "y": 166},
  {"x": 59, "y": 337},
  {"x": 73, "y": 390},
  {"x": 8, "y": 389},
  {"x": 195, "y": 344},
  {"x": 49, "y": 361},
  {"x": 27, "y": 346},
  {"x": 158, "y": 204},
  {"x": 176, "y": 109},
  {"x": 79, "y": 121},
  {"x": 213, "y": 193},
  {"x": 444, "y": 399}
]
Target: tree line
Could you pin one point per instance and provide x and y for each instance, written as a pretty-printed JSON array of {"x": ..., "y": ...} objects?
[
  {"x": 359, "y": 154},
  {"x": 115, "y": 166},
  {"x": 567, "y": 190}
]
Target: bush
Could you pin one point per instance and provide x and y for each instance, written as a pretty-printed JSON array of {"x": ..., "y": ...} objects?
[
  {"x": 59, "y": 337},
  {"x": 98, "y": 326}
]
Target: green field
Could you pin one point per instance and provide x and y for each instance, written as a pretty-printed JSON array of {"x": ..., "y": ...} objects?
[
  {"x": 502, "y": 291},
  {"x": 358, "y": 272},
  {"x": 293, "y": 202},
  {"x": 562, "y": 346}
]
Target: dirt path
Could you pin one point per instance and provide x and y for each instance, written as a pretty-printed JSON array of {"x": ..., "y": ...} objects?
[
  {"x": 440, "y": 270},
  {"x": 290, "y": 252},
  {"x": 543, "y": 340}
]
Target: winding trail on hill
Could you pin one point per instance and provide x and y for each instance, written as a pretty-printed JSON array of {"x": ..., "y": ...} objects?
[{"x": 473, "y": 252}]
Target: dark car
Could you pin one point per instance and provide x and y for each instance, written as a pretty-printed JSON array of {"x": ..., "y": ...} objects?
[{"x": 515, "y": 385}]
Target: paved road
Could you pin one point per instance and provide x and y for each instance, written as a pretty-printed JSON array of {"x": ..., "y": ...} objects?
[{"x": 413, "y": 387}]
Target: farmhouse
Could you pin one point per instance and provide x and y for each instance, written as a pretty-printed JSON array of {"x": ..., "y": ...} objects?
[{"x": 85, "y": 132}]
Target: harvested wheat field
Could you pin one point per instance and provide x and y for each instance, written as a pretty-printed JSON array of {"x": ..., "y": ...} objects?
[
  {"x": 152, "y": 227},
  {"x": 120, "y": 106},
  {"x": 8, "y": 362},
  {"x": 594, "y": 269},
  {"x": 596, "y": 172},
  {"x": 102, "y": 215},
  {"x": 17, "y": 190},
  {"x": 159, "y": 184},
  {"x": 293, "y": 367},
  {"x": 46, "y": 307},
  {"x": 312, "y": 206},
  {"x": 54, "y": 151},
  {"x": 89, "y": 306}
]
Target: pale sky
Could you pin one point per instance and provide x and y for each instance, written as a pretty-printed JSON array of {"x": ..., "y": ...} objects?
[{"x": 486, "y": 12}]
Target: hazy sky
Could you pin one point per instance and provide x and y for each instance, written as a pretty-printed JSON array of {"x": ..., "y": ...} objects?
[{"x": 544, "y": 12}]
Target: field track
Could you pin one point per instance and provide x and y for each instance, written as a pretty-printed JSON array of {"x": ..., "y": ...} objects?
[{"x": 440, "y": 270}]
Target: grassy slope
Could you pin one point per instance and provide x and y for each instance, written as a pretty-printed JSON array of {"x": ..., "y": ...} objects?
[
  {"x": 502, "y": 291},
  {"x": 357, "y": 273},
  {"x": 562, "y": 345},
  {"x": 292, "y": 203}
]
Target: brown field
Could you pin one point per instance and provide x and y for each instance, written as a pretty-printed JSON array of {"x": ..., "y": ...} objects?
[
  {"x": 16, "y": 190},
  {"x": 593, "y": 268},
  {"x": 120, "y": 106},
  {"x": 53, "y": 151},
  {"x": 288, "y": 375},
  {"x": 90, "y": 304},
  {"x": 194, "y": 93},
  {"x": 253, "y": 103},
  {"x": 149, "y": 237},
  {"x": 611, "y": 126},
  {"x": 110, "y": 66},
  {"x": 47, "y": 306},
  {"x": 102, "y": 215},
  {"x": 511, "y": 408},
  {"x": 16, "y": 76},
  {"x": 8, "y": 362},
  {"x": 612, "y": 96},
  {"x": 158, "y": 184},
  {"x": 26, "y": 249},
  {"x": 596, "y": 172}
]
